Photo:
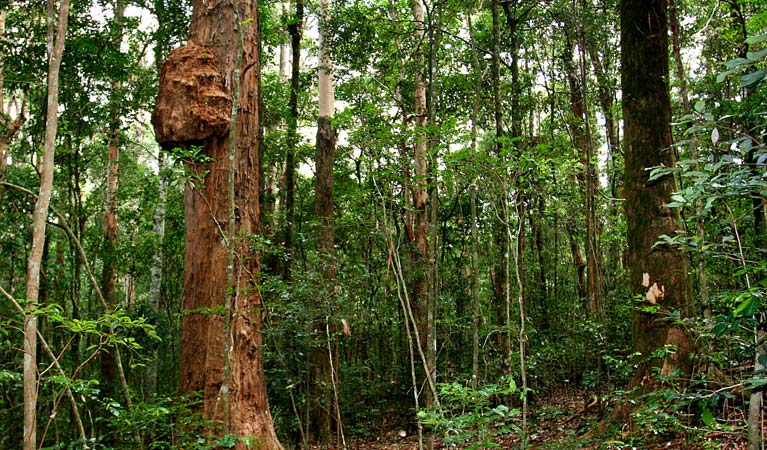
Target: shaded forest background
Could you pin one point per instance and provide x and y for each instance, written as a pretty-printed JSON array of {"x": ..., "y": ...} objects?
[{"x": 476, "y": 227}]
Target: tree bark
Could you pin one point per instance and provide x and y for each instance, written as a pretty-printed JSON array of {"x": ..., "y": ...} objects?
[
  {"x": 55, "y": 50},
  {"x": 323, "y": 411},
  {"x": 659, "y": 273},
  {"x": 107, "y": 362},
  {"x": 156, "y": 274},
  {"x": 296, "y": 31},
  {"x": 226, "y": 367},
  {"x": 10, "y": 126}
]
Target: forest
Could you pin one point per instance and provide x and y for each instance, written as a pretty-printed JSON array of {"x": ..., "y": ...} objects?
[{"x": 383, "y": 224}]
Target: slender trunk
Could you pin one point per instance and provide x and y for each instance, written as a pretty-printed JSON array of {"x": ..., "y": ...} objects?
[
  {"x": 322, "y": 419},
  {"x": 419, "y": 222},
  {"x": 475, "y": 294},
  {"x": 587, "y": 178},
  {"x": 156, "y": 274},
  {"x": 296, "y": 31},
  {"x": 158, "y": 228},
  {"x": 55, "y": 50},
  {"x": 432, "y": 142},
  {"x": 501, "y": 279},
  {"x": 109, "y": 254}
]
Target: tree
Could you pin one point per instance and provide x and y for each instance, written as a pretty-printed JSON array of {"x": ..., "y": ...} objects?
[
  {"x": 208, "y": 98},
  {"x": 55, "y": 50},
  {"x": 323, "y": 373},
  {"x": 659, "y": 272},
  {"x": 109, "y": 252}
]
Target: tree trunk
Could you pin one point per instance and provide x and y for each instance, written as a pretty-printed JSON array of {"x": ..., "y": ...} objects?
[
  {"x": 323, "y": 411},
  {"x": 222, "y": 351},
  {"x": 107, "y": 378},
  {"x": 475, "y": 288},
  {"x": 500, "y": 236},
  {"x": 659, "y": 273},
  {"x": 296, "y": 31},
  {"x": 9, "y": 127},
  {"x": 55, "y": 50},
  {"x": 156, "y": 274}
]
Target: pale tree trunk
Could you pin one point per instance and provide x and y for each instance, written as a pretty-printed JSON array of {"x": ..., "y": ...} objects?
[
  {"x": 659, "y": 273},
  {"x": 156, "y": 273},
  {"x": 324, "y": 416},
  {"x": 434, "y": 33},
  {"x": 55, "y": 50},
  {"x": 222, "y": 357},
  {"x": 158, "y": 228}
]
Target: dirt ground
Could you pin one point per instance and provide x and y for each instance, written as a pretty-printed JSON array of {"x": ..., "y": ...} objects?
[{"x": 561, "y": 420}]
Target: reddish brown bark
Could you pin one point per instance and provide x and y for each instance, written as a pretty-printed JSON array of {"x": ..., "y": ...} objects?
[
  {"x": 659, "y": 273},
  {"x": 242, "y": 407}
]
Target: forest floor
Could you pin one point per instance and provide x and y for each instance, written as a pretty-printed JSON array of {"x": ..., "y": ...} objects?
[{"x": 561, "y": 420}]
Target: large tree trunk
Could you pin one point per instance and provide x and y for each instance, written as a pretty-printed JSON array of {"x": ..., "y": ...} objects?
[
  {"x": 222, "y": 354},
  {"x": 659, "y": 273},
  {"x": 55, "y": 50}
]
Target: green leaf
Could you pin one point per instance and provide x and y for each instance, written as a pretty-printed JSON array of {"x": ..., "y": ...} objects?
[
  {"x": 753, "y": 78},
  {"x": 707, "y": 417},
  {"x": 754, "y": 56},
  {"x": 756, "y": 39},
  {"x": 744, "y": 308},
  {"x": 737, "y": 62}
]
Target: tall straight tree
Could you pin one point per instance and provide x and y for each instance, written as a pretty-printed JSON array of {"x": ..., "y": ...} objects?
[
  {"x": 659, "y": 272},
  {"x": 57, "y": 32},
  {"x": 295, "y": 29},
  {"x": 321, "y": 414},
  {"x": 417, "y": 226},
  {"x": 109, "y": 269},
  {"x": 209, "y": 99}
]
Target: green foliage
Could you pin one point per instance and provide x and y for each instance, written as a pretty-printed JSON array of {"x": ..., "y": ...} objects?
[{"x": 473, "y": 417}]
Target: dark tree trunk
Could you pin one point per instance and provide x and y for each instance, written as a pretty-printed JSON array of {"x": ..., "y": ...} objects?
[
  {"x": 295, "y": 29},
  {"x": 659, "y": 273}
]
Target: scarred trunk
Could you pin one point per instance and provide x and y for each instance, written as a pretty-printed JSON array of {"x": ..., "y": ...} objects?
[{"x": 659, "y": 273}]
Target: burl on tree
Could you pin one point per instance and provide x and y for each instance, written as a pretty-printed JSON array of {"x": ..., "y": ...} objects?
[{"x": 193, "y": 104}]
